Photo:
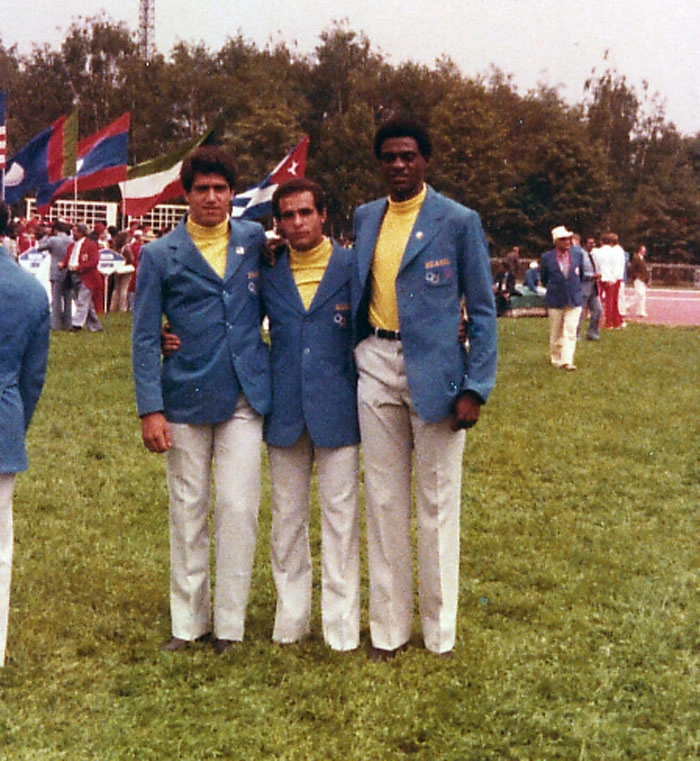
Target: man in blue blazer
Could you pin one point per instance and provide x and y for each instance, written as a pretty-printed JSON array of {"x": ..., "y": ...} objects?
[
  {"x": 24, "y": 350},
  {"x": 307, "y": 298},
  {"x": 204, "y": 404},
  {"x": 561, "y": 272},
  {"x": 420, "y": 258}
]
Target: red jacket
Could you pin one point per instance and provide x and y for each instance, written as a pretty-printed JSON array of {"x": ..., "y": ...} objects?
[{"x": 88, "y": 260}]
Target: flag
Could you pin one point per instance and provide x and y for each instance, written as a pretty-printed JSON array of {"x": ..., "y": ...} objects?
[
  {"x": 155, "y": 181},
  {"x": 101, "y": 162},
  {"x": 3, "y": 132},
  {"x": 43, "y": 160},
  {"x": 256, "y": 201}
]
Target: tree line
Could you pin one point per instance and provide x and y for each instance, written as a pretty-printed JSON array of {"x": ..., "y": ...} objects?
[{"x": 525, "y": 161}]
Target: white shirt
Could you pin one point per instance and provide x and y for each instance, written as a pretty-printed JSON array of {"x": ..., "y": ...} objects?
[
  {"x": 75, "y": 253},
  {"x": 609, "y": 262}
]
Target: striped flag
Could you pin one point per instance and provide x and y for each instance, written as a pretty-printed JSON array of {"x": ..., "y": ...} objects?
[
  {"x": 43, "y": 160},
  {"x": 98, "y": 162},
  {"x": 3, "y": 132},
  {"x": 256, "y": 201},
  {"x": 157, "y": 180}
]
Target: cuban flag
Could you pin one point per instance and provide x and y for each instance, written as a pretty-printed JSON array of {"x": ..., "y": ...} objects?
[
  {"x": 256, "y": 201},
  {"x": 43, "y": 160},
  {"x": 101, "y": 162}
]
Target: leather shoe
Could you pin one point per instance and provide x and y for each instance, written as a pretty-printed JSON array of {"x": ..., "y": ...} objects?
[
  {"x": 222, "y": 645},
  {"x": 378, "y": 655},
  {"x": 176, "y": 643}
]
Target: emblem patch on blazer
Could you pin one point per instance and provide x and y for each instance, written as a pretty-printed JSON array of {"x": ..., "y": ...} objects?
[
  {"x": 253, "y": 281},
  {"x": 340, "y": 315},
  {"x": 438, "y": 271}
]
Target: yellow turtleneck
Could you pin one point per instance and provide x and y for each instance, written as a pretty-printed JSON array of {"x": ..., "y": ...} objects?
[
  {"x": 308, "y": 268},
  {"x": 212, "y": 243},
  {"x": 391, "y": 243}
]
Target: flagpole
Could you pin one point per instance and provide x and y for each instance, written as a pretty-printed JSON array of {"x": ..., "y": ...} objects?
[
  {"x": 76, "y": 102},
  {"x": 75, "y": 176}
]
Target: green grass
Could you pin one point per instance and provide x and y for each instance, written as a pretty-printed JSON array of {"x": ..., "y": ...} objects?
[{"x": 579, "y": 625}]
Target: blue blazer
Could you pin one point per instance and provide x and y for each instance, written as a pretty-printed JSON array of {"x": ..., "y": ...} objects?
[
  {"x": 446, "y": 259},
  {"x": 314, "y": 383},
  {"x": 221, "y": 352},
  {"x": 24, "y": 352},
  {"x": 562, "y": 291}
]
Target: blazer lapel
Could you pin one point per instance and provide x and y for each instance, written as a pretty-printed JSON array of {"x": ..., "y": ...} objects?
[
  {"x": 366, "y": 244},
  {"x": 426, "y": 227},
  {"x": 280, "y": 278},
  {"x": 237, "y": 249},
  {"x": 187, "y": 254},
  {"x": 333, "y": 278}
]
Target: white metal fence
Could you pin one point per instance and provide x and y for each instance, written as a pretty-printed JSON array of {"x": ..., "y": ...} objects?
[{"x": 162, "y": 217}]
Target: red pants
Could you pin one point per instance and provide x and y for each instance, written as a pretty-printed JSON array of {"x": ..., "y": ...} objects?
[{"x": 610, "y": 293}]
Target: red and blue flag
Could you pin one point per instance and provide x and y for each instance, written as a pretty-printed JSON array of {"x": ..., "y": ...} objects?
[
  {"x": 101, "y": 162},
  {"x": 43, "y": 161},
  {"x": 3, "y": 132}
]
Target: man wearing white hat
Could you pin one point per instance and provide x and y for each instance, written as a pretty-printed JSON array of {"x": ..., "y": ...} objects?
[{"x": 561, "y": 272}]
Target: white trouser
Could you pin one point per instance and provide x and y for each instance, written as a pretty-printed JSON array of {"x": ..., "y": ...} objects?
[
  {"x": 7, "y": 485},
  {"x": 392, "y": 436},
  {"x": 639, "y": 302},
  {"x": 233, "y": 448},
  {"x": 85, "y": 314},
  {"x": 563, "y": 324},
  {"x": 290, "y": 482}
]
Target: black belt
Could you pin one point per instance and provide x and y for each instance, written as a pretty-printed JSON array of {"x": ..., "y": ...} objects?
[{"x": 389, "y": 335}]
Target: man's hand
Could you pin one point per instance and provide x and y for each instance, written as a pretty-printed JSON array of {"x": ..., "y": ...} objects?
[
  {"x": 466, "y": 409},
  {"x": 273, "y": 248},
  {"x": 463, "y": 330},
  {"x": 169, "y": 342},
  {"x": 155, "y": 432}
]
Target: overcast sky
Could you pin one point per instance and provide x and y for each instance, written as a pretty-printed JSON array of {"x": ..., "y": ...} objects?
[{"x": 555, "y": 42}]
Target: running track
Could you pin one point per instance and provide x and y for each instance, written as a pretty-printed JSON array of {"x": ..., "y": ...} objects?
[{"x": 666, "y": 306}]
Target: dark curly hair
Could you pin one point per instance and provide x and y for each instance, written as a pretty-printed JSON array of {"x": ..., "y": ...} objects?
[{"x": 401, "y": 126}]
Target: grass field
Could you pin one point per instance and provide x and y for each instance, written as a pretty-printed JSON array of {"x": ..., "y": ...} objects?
[{"x": 579, "y": 626}]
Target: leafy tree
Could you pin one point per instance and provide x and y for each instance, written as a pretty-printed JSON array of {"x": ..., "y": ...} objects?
[
  {"x": 612, "y": 119},
  {"x": 93, "y": 58},
  {"x": 344, "y": 164},
  {"x": 525, "y": 162}
]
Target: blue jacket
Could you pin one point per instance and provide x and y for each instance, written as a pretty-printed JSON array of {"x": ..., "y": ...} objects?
[
  {"x": 314, "y": 383},
  {"x": 446, "y": 258},
  {"x": 218, "y": 321},
  {"x": 562, "y": 291},
  {"x": 24, "y": 352}
]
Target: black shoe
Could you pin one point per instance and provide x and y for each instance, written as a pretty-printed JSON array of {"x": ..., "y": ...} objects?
[
  {"x": 378, "y": 655},
  {"x": 222, "y": 645},
  {"x": 176, "y": 643}
]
